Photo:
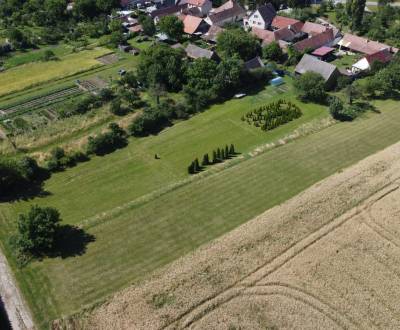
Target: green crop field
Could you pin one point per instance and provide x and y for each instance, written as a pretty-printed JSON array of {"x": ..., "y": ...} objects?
[
  {"x": 24, "y": 76},
  {"x": 140, "y": 221}
]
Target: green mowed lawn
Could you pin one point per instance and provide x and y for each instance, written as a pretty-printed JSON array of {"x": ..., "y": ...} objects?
[
  {"x": 24, "y": 76},
  {"x": 105, "y": 183},
  {"x": 138, "y": 239}
]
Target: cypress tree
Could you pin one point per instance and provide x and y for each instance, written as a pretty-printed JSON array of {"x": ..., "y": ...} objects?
[
  {"x": 219, "y": 154},
  {"x": 205, "y": 161},
  {"x": 222, "y": 154},
  {"x": 232, "y": 150},
  {"x": 191, "y": 168},
  {"x": 196, "y": 165},
  {"x": 226, "y": 151},
  {"x": 214, "y": 160}
]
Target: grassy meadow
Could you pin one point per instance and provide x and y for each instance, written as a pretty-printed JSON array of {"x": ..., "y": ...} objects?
[
  {"x": 31, "y": 74},
  {"x": 106, "y": 183},
  {"x": 135, "y": 235}
]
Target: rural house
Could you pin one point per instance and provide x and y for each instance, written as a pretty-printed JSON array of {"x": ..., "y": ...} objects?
[
  {"x": 194, "y": 52},
  {"x": 199, "y": 8},
  {"x": 229, "y": 12},
  {"x": 194, "y": 25},
  {"x": 310, "y": 63},
  {"x": 261, "y": 18},
  {"x": 325, "y": 38},
  {"x": 361, "y": 45},
  {"x": 211, "y": 35},
  {"x": 365, "y": 64}
]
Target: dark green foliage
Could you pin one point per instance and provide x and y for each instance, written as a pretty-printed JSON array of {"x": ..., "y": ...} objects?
[
  {"x": 206, "y": 160},
  {"x": 171, "y": 26},
  {"x": 107, "y": 142},
  {"x": 197, "y": 166},
  {"x": 218, "y": 156},
  {"x": 273, "y": 52},
  {"x": 340, "y": 111},
  {"x": 238, "y": 42},
  {"x": 147, "y": 24},
  {"x": 355, "y": 10},
  {"x": 16, "y": 175},
  {"x": 191, "y": 168},
  {"x": 273, "y": 115},
  {"x": 161, "y": 65},
  {"x": 152, "y": 121},
  {"x": 116, "y": 108},
  {"x": 232, "y": 150},
  {"x": 59, "y": 160},
  {"x": 49, "y": 56},
  {"x": 215, "y": 158},
  {"x": 311, "y": 87},
  {"x": 37, "y": 230}
]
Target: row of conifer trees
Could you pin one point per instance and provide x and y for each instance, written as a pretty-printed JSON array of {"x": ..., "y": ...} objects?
[{"x": 218, "y": 156}]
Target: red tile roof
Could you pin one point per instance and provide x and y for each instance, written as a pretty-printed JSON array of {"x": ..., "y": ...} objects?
[
  {"x": 382, "y": 56},
  {"x": 280, "y": 22},
  {"x": 191, "y": 23},
  {"x": 197, "y": 3},
  {"x": 313, "y": 28},
  {"x": 315, "y": 41},
  {"x": 362, "y": 45},
  {"x": 322, "y": 51}
]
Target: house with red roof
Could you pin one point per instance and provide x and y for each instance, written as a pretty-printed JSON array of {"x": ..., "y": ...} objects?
[
  {"x": 325, "y": 38},
  {"x": 365, "y": 64},
  {"x": 194, "y": 24},
  {"x": 229, "y": 12},
  {"x": 358, "y": 44}
]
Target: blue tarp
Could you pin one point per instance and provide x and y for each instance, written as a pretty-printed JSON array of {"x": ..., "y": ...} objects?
[{"x": 277, "y": 81}]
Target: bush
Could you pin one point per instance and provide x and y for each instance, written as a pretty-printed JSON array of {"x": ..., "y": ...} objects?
[
  {"x": 106, "y": 143},
  {"x": 152, "y": 121},
  {"x": 311, "y": 87}
]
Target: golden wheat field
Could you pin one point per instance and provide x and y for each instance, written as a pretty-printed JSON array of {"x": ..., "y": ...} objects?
[{"x": 328, "y": 258}]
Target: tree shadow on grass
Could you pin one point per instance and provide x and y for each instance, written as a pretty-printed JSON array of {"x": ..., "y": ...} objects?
[{"x": 71, "y": 241}]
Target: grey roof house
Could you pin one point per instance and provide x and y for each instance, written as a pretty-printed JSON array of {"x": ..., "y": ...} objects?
[
  {"x": 254, "y": 63},
  {"x": 195, "y": 52},
  {"x": 310, "y": 63}
]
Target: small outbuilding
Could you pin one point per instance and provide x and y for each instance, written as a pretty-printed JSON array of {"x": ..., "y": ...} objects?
[
  {"x": 195, "y": 52},
  {"x": 254, "y": 63},
  {"x": 323, "y": 53}
]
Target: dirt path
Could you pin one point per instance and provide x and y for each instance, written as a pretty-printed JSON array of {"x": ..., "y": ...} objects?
[{"x": 17, "y": 311}]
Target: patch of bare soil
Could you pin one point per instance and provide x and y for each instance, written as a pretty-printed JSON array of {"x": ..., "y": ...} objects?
[{"x": 328, "y": 258}]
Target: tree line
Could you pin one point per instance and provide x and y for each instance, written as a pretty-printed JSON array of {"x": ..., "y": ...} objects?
[{"x": 218, "y": 156}]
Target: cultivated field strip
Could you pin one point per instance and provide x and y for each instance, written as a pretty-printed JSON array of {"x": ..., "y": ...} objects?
[{"x": 42, "y": 101}]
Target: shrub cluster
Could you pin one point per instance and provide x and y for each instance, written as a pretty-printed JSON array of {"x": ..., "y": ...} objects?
[
  {"x": 18, "y": 173},
  {"x": 273, "y": 115},
  {"x": 154, "y": 119},
  {"x": 218, "y": 156},
  {"x": 59, "y": 160},
  {"x": 108, "y": 142}
]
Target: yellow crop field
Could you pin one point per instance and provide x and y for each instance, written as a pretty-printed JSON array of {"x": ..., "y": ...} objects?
[{"x": 31, "y": 74}]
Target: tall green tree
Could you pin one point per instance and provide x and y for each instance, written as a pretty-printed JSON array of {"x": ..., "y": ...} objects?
[
  {"x": 172, "y": 26},
  {"x": 37, "y": 230},
  {"x": 238, "y": 42}
]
